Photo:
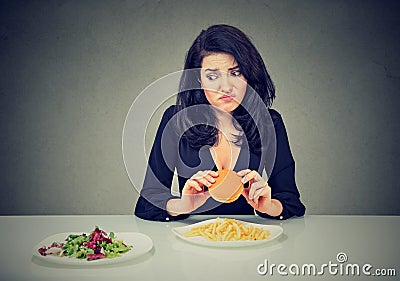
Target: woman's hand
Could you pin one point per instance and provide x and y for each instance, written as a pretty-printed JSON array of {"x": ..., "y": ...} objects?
[
  {"x": 258, "y": 193},
  {"x": 193, "y": 194}
]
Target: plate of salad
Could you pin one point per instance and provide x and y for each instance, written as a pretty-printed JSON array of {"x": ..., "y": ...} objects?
[{"x": 96, "y": 247}]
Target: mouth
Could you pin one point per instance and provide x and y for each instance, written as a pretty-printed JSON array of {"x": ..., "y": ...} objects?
[{"x": 227, "y": 97}]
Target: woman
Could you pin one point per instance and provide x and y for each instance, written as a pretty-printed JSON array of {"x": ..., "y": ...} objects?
[{"x": 222, "y": 120}]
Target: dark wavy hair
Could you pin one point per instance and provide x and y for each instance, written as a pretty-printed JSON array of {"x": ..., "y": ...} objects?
[{"x": 199, "y": 124}]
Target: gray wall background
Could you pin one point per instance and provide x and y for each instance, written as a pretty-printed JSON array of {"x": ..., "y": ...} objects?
[{"x": 69, "y": 71}]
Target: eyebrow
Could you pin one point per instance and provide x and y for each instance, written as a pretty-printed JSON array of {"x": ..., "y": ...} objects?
[{"x": 231, "y": 68}]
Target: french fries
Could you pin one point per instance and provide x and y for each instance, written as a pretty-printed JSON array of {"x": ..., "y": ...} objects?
[{"x": 228, "y": 230}]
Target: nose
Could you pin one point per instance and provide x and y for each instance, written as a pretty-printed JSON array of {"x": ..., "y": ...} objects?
[{"x": 226, "y": 85}]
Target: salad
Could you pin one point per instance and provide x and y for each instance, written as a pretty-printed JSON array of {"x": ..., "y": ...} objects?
[{"x": 97, "y": 245}]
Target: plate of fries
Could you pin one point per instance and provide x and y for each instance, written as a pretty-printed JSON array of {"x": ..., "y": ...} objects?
[{"x": 225, "y": 232}]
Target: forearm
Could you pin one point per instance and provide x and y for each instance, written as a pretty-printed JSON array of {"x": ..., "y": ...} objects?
[{"x": 174, "y": 207}]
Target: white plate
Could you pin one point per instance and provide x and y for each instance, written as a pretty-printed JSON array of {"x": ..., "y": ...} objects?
[
  {"x": 275, "y": 232},
  {"x": 141, "y": 245}
]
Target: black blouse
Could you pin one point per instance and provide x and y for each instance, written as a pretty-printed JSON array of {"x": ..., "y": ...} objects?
[{"x": 170, "y": 152}]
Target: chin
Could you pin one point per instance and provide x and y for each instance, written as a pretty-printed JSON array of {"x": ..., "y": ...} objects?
[
  {"x": 228, "y": 108},
  {"x": 225, "y": 107}
]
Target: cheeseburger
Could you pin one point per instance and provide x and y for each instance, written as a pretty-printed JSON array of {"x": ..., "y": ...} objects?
[{"x": 227, "y": 187}]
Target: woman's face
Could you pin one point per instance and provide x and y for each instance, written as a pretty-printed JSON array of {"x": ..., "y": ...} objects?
[{"x": 222, "y": 81}]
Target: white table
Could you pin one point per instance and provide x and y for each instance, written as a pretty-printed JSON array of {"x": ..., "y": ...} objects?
[{"x": 309, "y": 240}]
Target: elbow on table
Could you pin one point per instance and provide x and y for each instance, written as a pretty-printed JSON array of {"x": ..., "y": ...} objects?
[
  {"x": 298, "y": 210},
  {"x": 145, "y": 210}
]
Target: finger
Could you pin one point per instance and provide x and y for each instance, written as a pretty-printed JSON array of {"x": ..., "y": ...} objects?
[
  {"x": 249, "y": 176},
  {"x": 199, "y": 175},
  {"x": 214, "y": 174},
  {"x": 209, "y": 176},
  {"x": 259, "y": 193},
  {"x": 243, "y": 172},
  {"x": 256, "y": 189},
  {"x": 245, "y": 193},
  {"x": 202, "y": 174},
  {"x": 203, "y": 181},
  {"x": 210, "y": 179},
  {"x": 193, "y": 184}
]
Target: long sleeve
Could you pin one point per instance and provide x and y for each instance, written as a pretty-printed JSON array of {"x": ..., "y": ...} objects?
[
  {"x": 164, "y": 158},
  {"x": 282, "y": 179},
  {"x": 156, "y": 189}
]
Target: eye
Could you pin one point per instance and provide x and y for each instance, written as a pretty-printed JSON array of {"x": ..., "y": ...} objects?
[
  {"x": 236, "y": 73},
  {"x": 211, "y": 77}
]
